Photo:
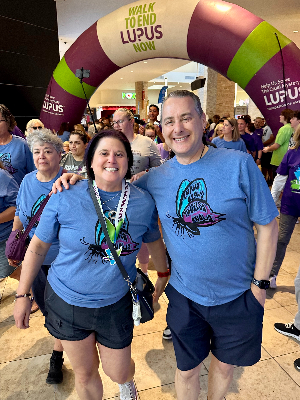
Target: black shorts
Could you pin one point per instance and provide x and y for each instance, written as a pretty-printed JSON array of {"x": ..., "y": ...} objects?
[
  {"x": 113, "y": 324},
  {"x": 232, "y": 331}
]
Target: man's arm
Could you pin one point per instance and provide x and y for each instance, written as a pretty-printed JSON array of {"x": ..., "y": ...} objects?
[
  {"x": 64, "y": 181},
  {"x": 7, "y": 215},
  {"x": 269, "y": 141},
  {"x": 267, "y": 236},
  {"x": 273, "y": 147},
  {"x": 159, "y": 258}
]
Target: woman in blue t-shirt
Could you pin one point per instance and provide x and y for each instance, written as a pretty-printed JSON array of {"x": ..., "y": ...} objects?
[
  {"x": 230, "y": 138},
  {"x": 88, "y": 303},
  {"x": 8, "y": 194},
  {"x": 46, "y": 149},
  {"x": 288, "y": 180}
]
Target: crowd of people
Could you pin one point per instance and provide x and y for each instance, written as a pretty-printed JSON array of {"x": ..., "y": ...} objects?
[{"x": 178, "y": 198}]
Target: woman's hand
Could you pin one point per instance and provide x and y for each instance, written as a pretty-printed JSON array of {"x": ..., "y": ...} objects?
[
  {"x": 13, "y": 263},
  {"x": 64, "y": 181},
  {"x": 160, "y": 285},
  {"x": 265, "y": 149},
  {"x": 22, "y": 312}
]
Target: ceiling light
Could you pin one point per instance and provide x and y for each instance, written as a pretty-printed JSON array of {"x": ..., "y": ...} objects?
[
  {"x": 145, "y": 62},
  {"x": 121, "y": 78},
  {"x": 131, "y": 71},
  {"x": 295, "y": 31}
]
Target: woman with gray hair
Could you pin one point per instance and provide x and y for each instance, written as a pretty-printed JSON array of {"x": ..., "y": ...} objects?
[
  {"x": 46, "y": 149},
  {"x": 33, "y": 125}
]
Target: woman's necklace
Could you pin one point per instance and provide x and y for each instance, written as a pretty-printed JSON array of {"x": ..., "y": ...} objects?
[
  {"x": 106, "y": 201},
  {"x": 202, "y": 152}
]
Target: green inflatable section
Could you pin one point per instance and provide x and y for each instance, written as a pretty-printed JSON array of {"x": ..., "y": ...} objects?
[
  {"x": 65, "y": 78},
  {"x": 252, "y": 54}
]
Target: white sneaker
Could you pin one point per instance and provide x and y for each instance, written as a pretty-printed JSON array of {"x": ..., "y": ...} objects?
[
  {"x": 128, "y": 391},
  {"x": 273, "y": 282},
  {"x": 167, "y": 335}
]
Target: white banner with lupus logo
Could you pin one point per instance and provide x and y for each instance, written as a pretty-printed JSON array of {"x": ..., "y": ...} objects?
[
  {"x": 52, "y": 106},
  {"x": 138, "y": 31}
]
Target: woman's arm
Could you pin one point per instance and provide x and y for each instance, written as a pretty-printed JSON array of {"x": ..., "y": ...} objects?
[
  {"x": 17, "y": 223},
  {"x": 159, "y": 258},
  {"x": 7, "y": 215},
  {"x": 33, "y": 261}
]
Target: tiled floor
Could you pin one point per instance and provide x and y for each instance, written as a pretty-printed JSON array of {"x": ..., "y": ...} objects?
[{"x": 24, "y": 354}]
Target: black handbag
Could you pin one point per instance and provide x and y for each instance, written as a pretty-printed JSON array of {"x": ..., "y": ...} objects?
[{"x": 142, "y": 288}]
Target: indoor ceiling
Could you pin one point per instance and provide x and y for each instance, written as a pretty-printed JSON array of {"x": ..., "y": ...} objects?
[{"x": 75, "y": 16}]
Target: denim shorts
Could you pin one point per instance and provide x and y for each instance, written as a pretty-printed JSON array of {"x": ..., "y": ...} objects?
[
  {"x": 231, "y": 331},
  {"x": 112, "y": 325}
]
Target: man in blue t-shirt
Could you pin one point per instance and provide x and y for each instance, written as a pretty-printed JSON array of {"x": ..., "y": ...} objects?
[{"x": 217, "y": 287}]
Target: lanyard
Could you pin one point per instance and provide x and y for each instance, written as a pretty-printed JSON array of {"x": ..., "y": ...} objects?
[{"x": 113, "y": 231}]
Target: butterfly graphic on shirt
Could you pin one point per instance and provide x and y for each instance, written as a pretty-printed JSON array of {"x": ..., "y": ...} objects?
[
  {"x": 192, "y": 209},
  {"x": 119, "y": 236},
  {"x": 6, "y": 161},
  {"x": 35, "y": 209}
]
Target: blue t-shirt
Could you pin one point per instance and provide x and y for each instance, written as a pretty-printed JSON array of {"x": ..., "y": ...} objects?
[
  {"x": 238, "y": 145},
  {"x": 17, "y": 158},
  {"x": 207, "y": 210},
  {"x": 8, "y": 194},
  {"x": 290, "y": 165},
  {"x": 65, "y": 136},
  {"x": 31, "y": 194},
  {"x": 80, "y": 274},
  {"x": 249, "y": 142}
]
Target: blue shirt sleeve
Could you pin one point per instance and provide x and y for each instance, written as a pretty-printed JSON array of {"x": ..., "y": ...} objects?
[{"x": 261, "y": 207}]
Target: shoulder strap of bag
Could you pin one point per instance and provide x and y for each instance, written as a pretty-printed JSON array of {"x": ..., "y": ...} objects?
[
  {"x": 108, "y": 241},
  {"x": 36, "y": 217}
]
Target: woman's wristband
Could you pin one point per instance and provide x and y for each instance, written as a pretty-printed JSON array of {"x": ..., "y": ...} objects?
[
  {"x": 164, "y": 274},
  {"x": 17, "y": 296}
]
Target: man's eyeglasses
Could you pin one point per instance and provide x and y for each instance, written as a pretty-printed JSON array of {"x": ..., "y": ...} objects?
[
  {"x": 36, "y": 127},
  {"x": 119, "y": 122}
]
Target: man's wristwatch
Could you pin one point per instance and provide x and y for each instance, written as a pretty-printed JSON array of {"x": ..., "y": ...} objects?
[{"x": 261, "y": 284}]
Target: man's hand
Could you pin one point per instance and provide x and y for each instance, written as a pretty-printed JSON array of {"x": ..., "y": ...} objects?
[
  {"x": 259, "y": 294},
  {"x": 64, "y": 181},
  {"x": 137, "y": 176},
  {"x": 258, "y": 162},
  {"x": 160, "y": 285}
]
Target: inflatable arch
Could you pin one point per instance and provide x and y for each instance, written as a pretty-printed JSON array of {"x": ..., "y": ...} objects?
[{"x": 221, "y": 35}]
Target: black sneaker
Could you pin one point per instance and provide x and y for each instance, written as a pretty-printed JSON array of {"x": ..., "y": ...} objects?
[
  {"x": 167, "y": 335},
  {"x": 297, "y": 364},
  {"x": 288, "y": 330},
  {"x": 55, "y": 374}
]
